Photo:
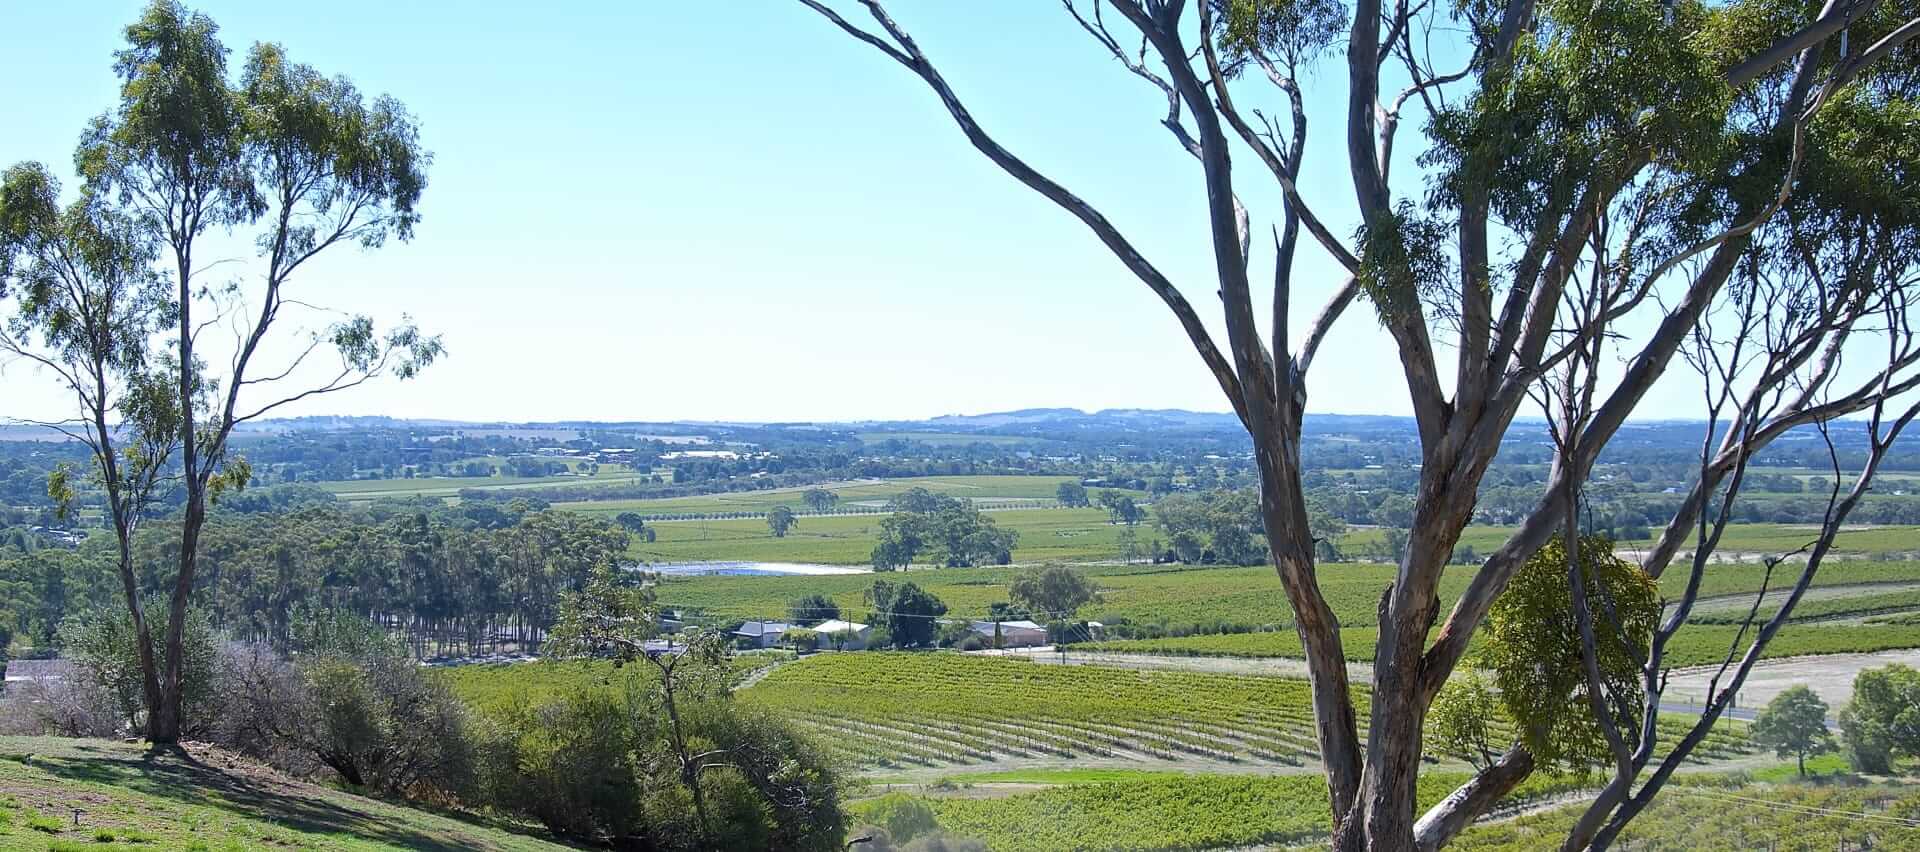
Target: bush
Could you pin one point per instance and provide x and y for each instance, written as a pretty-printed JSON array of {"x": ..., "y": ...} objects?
[
  {"x": 569, "y": 764},
  {"x": 74, "y": 707},
  {"x": 599, "y": 765},
  {"x": 904, "y": 817},
  {"x": 105, "y": 654},
  {"x": 800, "y": 639},
  {"x": 383, "y": 723}
]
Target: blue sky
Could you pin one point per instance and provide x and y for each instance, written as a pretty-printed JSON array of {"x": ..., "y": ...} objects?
[{"x": 732, "y": 211}]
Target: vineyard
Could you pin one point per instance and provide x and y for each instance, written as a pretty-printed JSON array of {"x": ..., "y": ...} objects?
[
  {"x": 1177, "y": 812},
  {"x": 897, "y": 710},
  {"x": 1242, "y": 597},
  {"x": 1695, "y": 645},
  {"x": 496, "y": 688},
  {"x": 1686, "y": 816}
]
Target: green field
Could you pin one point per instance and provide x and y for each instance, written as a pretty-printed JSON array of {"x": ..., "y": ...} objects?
[
  {"x": 862, "y": 494},
  {"x": 449, "y": 486},
  {"x": 1247, "y": 597},
  {"x": 1070, "y": 535},
  {"x": 1696, "y": 644},
  {"x": 1056, "y": 534},
  {"x": 74, "y": 794},
  {"x": 497, "y": 689}
]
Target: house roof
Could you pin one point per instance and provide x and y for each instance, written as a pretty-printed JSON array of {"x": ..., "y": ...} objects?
[
  {"x": 761, "y": 628},
  {"x": 835, "y": 625},
  {"x": 1009, "y": 625}
]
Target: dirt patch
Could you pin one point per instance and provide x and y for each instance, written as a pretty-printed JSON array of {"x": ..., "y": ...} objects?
[
  {"x": 1830, "y": 676},
  {"x": 1740, "y": 601}
]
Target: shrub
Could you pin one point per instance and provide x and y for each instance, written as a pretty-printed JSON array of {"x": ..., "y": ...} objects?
[
  {"x": 383, "y": 723},
  {"x": 904, "y": 817},
  {"x": 102, "y": 645}
]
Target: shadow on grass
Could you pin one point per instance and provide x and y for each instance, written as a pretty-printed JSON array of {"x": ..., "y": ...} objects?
[{"x": 173, "y": 774}]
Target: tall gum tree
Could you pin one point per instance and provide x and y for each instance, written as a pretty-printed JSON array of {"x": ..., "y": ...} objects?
[
  {"x": 86, "y": 302},
  {"x": 1598, "y": 177},
  {"x": 290, "y": 161}
]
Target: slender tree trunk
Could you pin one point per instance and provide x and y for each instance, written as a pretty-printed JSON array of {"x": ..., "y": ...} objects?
[
  {"x": 689, "y": 773},
  {"x": 164, "y": 726}
]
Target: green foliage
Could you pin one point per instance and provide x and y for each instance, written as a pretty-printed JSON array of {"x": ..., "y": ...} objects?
[
  {"x": 953, "y": 529},
  {"x": 907, "y": 613},
  {"x": 383, "y": 723},
  {"x": 1463, "y": 718},
  {"x": 1292, "y": 31},
  {"x": 1532, "y": 645},
  {"x": 812, "y": 609},
  {"x": 612, "y": 615},
  {"x": 904, "y": 817},
  {"x": 599, "y": 762},
  {"x": 105, "y": 650},
  {"x": 1403, "y": 262},
  {"x": 1794, "y": 724},
  {"x": 1882, "y": 722},
  {"x": 1055, "y": 590},
  {"x": 819, "y": 499},
  {"x": 1217, "y": 527},
  {"x": 1072, "y": 495},
  {"x": 780, "y": 519}
]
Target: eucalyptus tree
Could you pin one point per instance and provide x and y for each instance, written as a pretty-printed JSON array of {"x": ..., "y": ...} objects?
[
  {"x": 1602, "y": 181},
  {"x": 86, "y": 303},
  {"x": 295, "y": 162}
]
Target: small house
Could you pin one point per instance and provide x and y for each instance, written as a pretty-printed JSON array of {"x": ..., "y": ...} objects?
[
  {"x": 762, "y": 634},
  {"x": 842, "y": 635},
  {"x": 1013, "y": 634}
]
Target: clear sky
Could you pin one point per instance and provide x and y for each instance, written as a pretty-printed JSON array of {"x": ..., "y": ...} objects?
[{"x": 729, "y": 210}]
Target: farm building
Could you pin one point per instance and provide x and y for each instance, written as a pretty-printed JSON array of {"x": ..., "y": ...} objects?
[
  {"x": 843, "y": 635},
  {"x": 762, "y": 634},
  {"x": 22, "y": 671},
  {"x": 1013, "y": 634}
]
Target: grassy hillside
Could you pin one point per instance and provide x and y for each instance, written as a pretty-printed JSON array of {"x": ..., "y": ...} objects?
[{"x": 103, "y": 795}]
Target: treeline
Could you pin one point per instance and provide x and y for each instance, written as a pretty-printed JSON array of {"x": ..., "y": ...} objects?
[{"x": 474, "y": 578}]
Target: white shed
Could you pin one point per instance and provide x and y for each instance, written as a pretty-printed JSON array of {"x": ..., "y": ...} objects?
[{"x": 1013, "y": 634}]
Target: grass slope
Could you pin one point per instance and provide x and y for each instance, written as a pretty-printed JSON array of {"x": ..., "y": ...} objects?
[{"x": 126, "y": 799}]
